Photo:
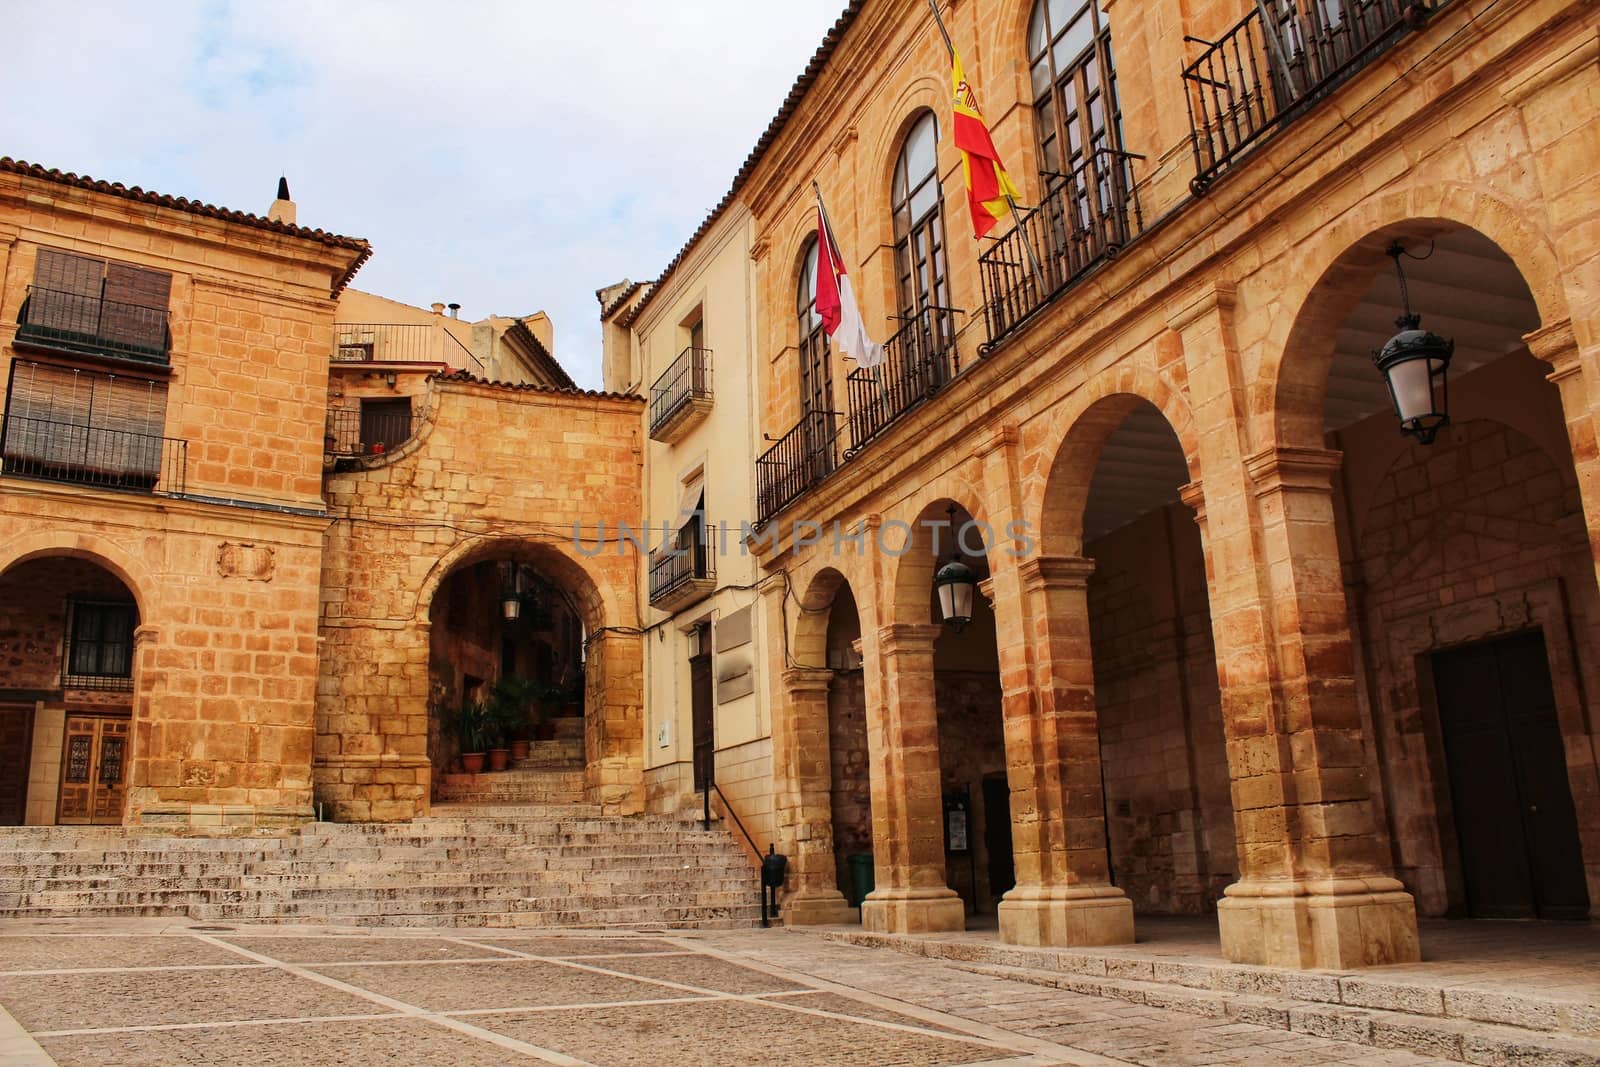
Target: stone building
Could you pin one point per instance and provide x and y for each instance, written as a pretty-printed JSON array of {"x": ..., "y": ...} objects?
[{"x": 1240, "y": 646}]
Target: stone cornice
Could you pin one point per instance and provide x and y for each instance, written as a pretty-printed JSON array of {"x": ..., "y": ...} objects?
[
  {"x": 1217, "y": 296},
  {"x": 1557, "y": 345},
  {"x": 907, "y": 637},
  {"x": 1194, "y": 495},
  {"x": 1059, "y": 572},
  {"x": 807, "y": 680},
  {"x": 1305, "y": 469},
  {"x": 1523, "y": 85}
]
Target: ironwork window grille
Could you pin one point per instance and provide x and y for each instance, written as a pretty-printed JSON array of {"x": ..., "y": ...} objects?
[{"x": 100, "y": 644}]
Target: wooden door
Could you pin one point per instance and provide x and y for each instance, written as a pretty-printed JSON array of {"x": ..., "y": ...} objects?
[
  {"x": 702, "y": 714},
  {"x": 93, "y": 770},
  {"x": 1518, "y": 828},
  {"x": 16, "y": 735}
]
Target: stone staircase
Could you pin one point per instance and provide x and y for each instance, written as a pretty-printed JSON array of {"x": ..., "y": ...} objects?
[{"x": 467, "y": 865}]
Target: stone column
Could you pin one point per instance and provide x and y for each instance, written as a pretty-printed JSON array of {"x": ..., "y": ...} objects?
[
  {"x": 1557, "y": 345},
  {"x": 907, "y": 800},
  {"x": 1064, "y": 894},
  {"x": 802, "y": 768},
  {"x": 1312, "y": 891},
  {"x": 614, "y": 724}
]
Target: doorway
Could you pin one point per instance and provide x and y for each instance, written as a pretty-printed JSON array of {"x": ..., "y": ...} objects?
[
  {"x": 997, "y": 835},
  {"x": 93, "y": 762},
  {"x": 16, "y": 736},
  {"x": 701, "y": 708},
  {"x": 1515, "y": 821}
]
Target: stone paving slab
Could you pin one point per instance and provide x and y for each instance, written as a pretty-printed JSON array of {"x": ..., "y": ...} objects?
[
  {"x": 478, "y": 986},
  {"x": 566, "y": 947},
  {"x": 347, "y": 949},
  {"x": 699, "y": 971},
  {"x": 60, "y": 953},
  {"x": 726, "y": 1032}
]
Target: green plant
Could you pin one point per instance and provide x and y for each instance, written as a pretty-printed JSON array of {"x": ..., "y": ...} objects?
[
  {"x": 474, "y": 727},
  {"x": 510, "y": 701}
]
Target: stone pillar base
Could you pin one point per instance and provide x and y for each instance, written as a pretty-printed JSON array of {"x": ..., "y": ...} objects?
[
  {"x": 1335, "y": 923},
  {"x": 913, "y": 911},
  {"x": 1066, "y": 916},
  {"x": 817, "y": 907}
]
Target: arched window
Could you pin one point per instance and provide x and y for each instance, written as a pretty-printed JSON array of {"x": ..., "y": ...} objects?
[
  {"x": 919, "y": 259},
  {"x": 816, "y": 368},
  {"x": 1074, "y": 84}
]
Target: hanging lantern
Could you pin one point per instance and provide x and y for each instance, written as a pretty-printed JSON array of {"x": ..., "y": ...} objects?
[
  {"x": 1415, "y": 365},
  {"x": 511, "y": 582},
  {"x": 954, "y": 584}
]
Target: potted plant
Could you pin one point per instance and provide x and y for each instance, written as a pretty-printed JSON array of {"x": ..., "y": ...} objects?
[
  {"x": 513, "y": 697},
  {"x": 472, "y": 726}
]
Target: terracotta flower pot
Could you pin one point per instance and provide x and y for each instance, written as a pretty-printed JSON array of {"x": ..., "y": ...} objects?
[
  {"x": 499, "y": 759},
  {"x": 472, "y": 762},
  {"x": 519, "y": 750}
]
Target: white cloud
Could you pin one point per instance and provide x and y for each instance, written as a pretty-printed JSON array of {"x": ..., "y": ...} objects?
[{"x": 508, "y": 155}]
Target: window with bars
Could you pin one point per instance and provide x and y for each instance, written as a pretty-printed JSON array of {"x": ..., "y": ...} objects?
[
  {"x": 100, "y": 644},
  {"x": 816, "y": 366}
]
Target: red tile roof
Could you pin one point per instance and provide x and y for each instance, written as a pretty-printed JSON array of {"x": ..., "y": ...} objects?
[{"x": 468, "y": 378}]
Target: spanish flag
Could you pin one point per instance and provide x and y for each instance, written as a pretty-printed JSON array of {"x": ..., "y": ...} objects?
[{"x": 988, "y": 184}]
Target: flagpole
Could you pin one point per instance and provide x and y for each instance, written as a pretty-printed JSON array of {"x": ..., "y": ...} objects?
[
  {"x": 833, "y": 246},
  {"x": 1016, "y": 212}
]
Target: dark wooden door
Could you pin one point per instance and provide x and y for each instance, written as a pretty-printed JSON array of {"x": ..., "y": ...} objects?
[
  {"x": 702, "y": 715},
  {"x": 997, "y": 836},
  {"x": 1514, "y": 815},
  {"x": 16, "y": 722},
  {"x": 93, "y": 770}
]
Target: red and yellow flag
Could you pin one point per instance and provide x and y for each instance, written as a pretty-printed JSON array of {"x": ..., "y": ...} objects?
[{"x": 988, "y": 184}]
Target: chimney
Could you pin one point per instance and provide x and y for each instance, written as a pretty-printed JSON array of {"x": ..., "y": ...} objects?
[
  {"x": 455, "y": 310},
  {"x": 282, "y": 209},
  {"x": 438, "y": 309}
]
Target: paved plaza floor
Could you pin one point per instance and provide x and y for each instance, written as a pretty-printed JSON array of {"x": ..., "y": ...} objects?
[{"x": 172, "y": 992}]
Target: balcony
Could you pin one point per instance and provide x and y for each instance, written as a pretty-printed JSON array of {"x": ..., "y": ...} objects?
[
  {"x": 98, "y": 456},
  {"x": 1260, "y": 77},
  {"x": 1087, "y": 217},
  {"x": 381, "y": 342},
  {"x": 91, "y": 325},
  {"x": 917, "y": 362},
  {"x": 681, "y": 398},
  {"x": 682, "y": 575},
  {"x": 800, "y": 459},
  {"x": 369, "y": 432}
]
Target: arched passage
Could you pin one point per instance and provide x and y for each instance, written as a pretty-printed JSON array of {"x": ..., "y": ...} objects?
[
  {"x": 68, "y": 679},
  {"x": 1469, "y": 577}
]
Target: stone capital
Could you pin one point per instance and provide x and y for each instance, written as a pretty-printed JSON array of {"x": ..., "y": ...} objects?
[
  {"x": 1193, "y": 496},
  {"x": 907, "y": 637},
  {"x": 986, "y": 587},
  {"x": 1300, "y": 469},
  {"x": 1001, "y": 437},
  {"x": 800, "y": 681},
  {"x": 146, "y": 634},
  {"x": 1055, "y": 572},
  {"x": 1218, "y": 297},
  {"x": 1557, "y": 345}
]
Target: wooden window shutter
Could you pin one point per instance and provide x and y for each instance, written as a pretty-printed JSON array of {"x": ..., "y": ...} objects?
[
  {"x": 66, "y": 291},
  {"x": 135, "y": 311}
]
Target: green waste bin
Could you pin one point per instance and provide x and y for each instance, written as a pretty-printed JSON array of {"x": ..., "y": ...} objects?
[{"x": 861, "y": 877}]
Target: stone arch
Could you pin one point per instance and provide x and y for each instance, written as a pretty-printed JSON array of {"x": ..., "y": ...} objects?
[
  {"x": 93, "y": 549},
  {"x": 1298, "y": 351},
  {"x": 596, "y": 602},
  {"x": 1075, "y": 439},
  {"x": 911, "y": 573},
  {"x": 811, "y": 629}
]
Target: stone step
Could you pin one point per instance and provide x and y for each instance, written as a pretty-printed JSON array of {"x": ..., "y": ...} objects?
[{"x": 1365, "y": 1007}]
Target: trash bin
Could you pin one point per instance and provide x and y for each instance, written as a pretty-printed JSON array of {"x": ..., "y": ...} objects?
[{"x": 861, "y": 877}]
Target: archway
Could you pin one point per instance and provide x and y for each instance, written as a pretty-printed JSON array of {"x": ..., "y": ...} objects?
[
  {"x": 968, "y": 724},
  {"x": 1470, "y": 581},
  {"x": 67, "y": 683},
  {"x": 509, "y": 630}
]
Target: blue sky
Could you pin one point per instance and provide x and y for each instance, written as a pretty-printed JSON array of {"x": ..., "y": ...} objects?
[{"x": 510, "y": 156}]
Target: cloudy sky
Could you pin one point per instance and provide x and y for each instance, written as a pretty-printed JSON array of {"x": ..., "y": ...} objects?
[{"x": 511, "y": 156}]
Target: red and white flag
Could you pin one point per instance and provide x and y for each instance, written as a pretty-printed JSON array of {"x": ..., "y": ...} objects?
[{"x": 836, "y": 300}]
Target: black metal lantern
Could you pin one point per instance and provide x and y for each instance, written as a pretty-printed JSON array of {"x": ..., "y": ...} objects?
[
  {"x": 954, "y": 583},
  {"x": 1415, "y": 365},
  {"x": 511, "y": 591}
]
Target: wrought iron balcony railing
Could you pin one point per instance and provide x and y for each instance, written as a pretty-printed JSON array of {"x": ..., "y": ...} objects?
[
  {"x": 99, "y": 456},
  {"x": 368, "y": 433},
  {"x": 384, "y": 342},
  {"x": 92, "y": 325},
  {"x": 682, "y": 387},
  {"x": 918, "y": 361},
  {"x": 1277, "y": 61},
  {"x": 1087, "y": 216},
  {"x": 678, "y": 573},
  {"x": 798, "y": 460}
]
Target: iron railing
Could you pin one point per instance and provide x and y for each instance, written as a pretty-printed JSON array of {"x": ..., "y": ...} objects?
[
  {"x": 357, "y": 433},
  {"x": 798, "y": 460},
  {"x": 100, "y": 456},
  {"x": 74, "y": 322},
  {"x": 1277, "y": 61},
  {"x": 917, "y": 362},
  {"x": 384, "y": 342},
  {"x": 689, "y": 378},
  {"x": 1086, "y": 217},
  {"x": 672, "y": 567}
]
